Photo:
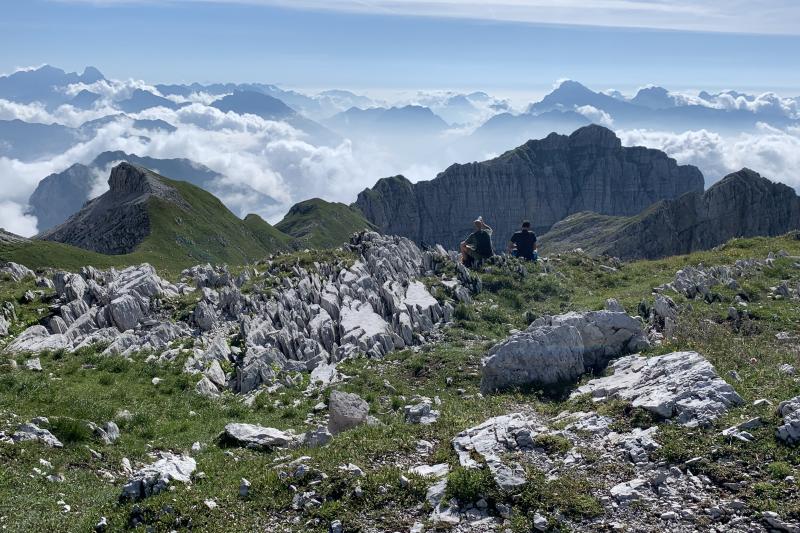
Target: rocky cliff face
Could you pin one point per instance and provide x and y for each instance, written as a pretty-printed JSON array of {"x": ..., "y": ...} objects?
[
  {"x": 543, "y": 181},
  {"x": 116, "y": 222},
  {"x": 742, "y": 204}
]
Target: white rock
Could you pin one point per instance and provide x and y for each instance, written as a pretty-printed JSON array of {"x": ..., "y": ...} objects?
[
  {"x": 789, "y": 431},
  {"x": 156, "y": 477},
  {"x": 205, "y": 387},
  {"x": 629, "y": 491},
  {"x": 679, "y": 385},
  {"x": 244, "y": 488},
  {"x": 34, "y": 364},
  {"x": 346, "y": 411},
  {"x": 540, "y": 356},
  {"x": 491, "y": 441},
  {"x": 605, "y": 334},
  {"x": 315, "y": 438},
  {"x": 256, "y": 437},
  {"x": 438, "y": 471},
  {"x": 613, "y": 305},
  {"x": 32, "y": 432},
  {"x": 420, "y": 413},
  {"x": 37, "y": 339}
]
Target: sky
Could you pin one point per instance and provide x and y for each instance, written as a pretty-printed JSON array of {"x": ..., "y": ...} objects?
[{"x": 512, "y": 46}]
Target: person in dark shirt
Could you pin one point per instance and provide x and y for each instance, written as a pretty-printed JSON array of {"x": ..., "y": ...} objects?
[
  {"x": 523, "y": 243},
  {"x": 478, "y": 246}
]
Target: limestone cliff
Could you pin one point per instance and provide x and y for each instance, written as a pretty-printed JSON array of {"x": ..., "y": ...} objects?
[
  {"x": 742, "y": 204},
  {"x": 543, "y": 181}
]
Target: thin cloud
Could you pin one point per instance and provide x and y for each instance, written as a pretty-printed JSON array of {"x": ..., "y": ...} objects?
[{"x": 738, "y": 16}]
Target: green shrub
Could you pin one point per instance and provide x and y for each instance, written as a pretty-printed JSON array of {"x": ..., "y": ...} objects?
[
  {"x": 552, "y": 443},
  {"x": 468, "y": 485},
  {"x": 70, "y": 430},
  {"x": 779, "y": 469},
  {"x": 464, "y": 312}
]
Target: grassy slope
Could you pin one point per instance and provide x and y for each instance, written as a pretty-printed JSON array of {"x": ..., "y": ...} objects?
[
  {"x": 590, "y": 231},
  {"x": 85, "y": 385},
  {"x": 208, "y": 232},
  {"x": 269, "y": 237},
  {"x": 316, "y": 223}
]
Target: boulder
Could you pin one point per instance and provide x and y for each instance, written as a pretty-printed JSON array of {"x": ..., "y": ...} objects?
[
  {"x": 37, "y": 339},
  {"x": 605, "y": 334},
  {"x": 32, "y": 432},
  {"x": 681, "y": 385},
  {"x": 205, "y": 387},
  {"x": 16, "y": 271},
  {"x": 156, "y": 477},
  {"x": 789, "y": 431},
  {"x": 215, "y": 374},
  {"x": 4, "y": 325},
  {"x": 346, "y": 411},
  {"x": 256, "y": 437},
  {"x": 127, "y": 311},
  {"x": 539, "y": 356},
  {"x": 204, "y": 316}
]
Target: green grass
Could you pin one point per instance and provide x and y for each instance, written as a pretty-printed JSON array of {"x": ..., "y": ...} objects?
[
  {"x": 74, "y": 388},
  {"x": 316, "y": 223}
]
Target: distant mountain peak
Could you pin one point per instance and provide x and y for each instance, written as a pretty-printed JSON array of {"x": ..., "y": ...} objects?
[
  {"x": 254, "y": 103},
  {"x": 91, "y": 75}
]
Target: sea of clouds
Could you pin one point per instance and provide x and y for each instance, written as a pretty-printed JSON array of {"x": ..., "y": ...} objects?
[{"x": 279, "y": 161}]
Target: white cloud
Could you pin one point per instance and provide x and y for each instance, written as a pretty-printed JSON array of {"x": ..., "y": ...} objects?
[
  {"x": 65, "y": 114},
  {"x": 598, "y": 116},
  {"x": 14, "y": 219},
  {"x": 773, "y": 153},
  {"x": 271, "y": 157},
  {"x": 113, "y": 90},
  {"x": 745, "y": 16}
]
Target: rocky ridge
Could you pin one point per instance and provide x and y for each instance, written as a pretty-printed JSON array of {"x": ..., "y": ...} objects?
[
  {"x": 544, "y": 181},
  {"x": 743, "y": 204}
]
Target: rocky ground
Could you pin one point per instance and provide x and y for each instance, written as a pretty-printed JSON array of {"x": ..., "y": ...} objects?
[{"x": 383, "y": 388}]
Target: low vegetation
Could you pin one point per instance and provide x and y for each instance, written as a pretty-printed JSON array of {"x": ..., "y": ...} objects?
[{"x": 85, "y": 386}]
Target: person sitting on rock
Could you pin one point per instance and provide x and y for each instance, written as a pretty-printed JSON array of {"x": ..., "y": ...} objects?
[
  {"x": 523, "y": 243},
  {"x": 478, "y": 246}
]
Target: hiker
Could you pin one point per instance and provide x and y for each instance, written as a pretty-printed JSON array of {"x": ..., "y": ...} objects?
[
  {"x": 478, "y": 245},
  {"x": 523, "y": 243}
]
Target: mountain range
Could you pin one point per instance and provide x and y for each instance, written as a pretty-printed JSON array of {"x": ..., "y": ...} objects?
[{"x": 583, "y": 190}]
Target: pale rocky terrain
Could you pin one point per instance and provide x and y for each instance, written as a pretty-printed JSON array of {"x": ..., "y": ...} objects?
[{"x": 572, "y": 422}]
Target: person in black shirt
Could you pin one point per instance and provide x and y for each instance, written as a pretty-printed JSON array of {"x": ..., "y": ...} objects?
[{"x": 523, "y": 243}]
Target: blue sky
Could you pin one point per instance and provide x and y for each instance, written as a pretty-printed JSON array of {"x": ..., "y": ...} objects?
[{"x": 416, "y": 44}]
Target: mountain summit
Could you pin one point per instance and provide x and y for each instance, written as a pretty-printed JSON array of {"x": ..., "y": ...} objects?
[
  {"x": 118, "y": 221},
  {"x": 164, "y": 222}
]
